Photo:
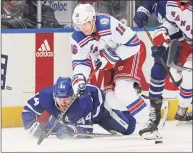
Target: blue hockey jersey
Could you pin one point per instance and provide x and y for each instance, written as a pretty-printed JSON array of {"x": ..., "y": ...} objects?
[
  {"x": 84, "y": 110},
  {"x": 158, "y": 7}
]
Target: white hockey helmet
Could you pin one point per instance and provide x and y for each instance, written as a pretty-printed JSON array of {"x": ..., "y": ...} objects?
[{"x": 83, "y": 13}]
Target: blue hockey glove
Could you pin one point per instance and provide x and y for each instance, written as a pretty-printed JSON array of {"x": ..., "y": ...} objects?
[
  {"x": 36, "y": 129},
  {"x": 79, "y": 84},
  {"x": 141, "y": 17},
  {"x": 69, "y": 131},
  {"x": 159, "y": 52}
]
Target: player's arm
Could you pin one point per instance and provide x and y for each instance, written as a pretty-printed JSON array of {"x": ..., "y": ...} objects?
[
  {"x": 143, "y": 12},
  {"x": 77, "y": 123},
  {"x": 162, "y": 37},
  {"x": 149, "y": 6},
  {"x": 167, "y": 31},
  {"x": 129, "y": 43},
  {"x": 31, "y": 111},
  {"x": 81, "y": 64}
]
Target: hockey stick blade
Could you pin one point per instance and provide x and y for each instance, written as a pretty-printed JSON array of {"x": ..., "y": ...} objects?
[
  {"x": 151, "y": 98},
  {"x": 92, "y": 135}
]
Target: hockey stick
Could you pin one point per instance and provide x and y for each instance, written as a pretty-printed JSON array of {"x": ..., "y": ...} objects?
[
  {"x": 171, "y": 56},
  {"x": 139, "y": 91},
  {"x": 177, "y": 84},
  {"x": 46, "y": 133},
  {"x": 92, "y": 135},
  {"x": 151, "y": 98}
]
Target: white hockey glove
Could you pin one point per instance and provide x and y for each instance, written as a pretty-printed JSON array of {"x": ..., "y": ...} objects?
[
  {"x": 108, "y": 59},
  {"x": 36, "y": 129},
  {"x": 79, "y": 84}
]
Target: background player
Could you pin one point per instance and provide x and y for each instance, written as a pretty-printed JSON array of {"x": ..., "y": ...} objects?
[
  {"x": 85, "y": 111},
  {"x": 178, "y": 20}
]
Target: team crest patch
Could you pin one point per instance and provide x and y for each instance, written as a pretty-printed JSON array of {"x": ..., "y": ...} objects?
[{"x": 104, "y": 21}]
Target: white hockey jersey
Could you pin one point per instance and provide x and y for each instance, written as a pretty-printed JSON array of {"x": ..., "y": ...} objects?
[
  {"x": 112, "y": 34},
  {"x": 179, "y": 18}
]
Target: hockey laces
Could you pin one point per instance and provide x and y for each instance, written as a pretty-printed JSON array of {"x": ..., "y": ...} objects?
[{"x": 152, "y": 114}]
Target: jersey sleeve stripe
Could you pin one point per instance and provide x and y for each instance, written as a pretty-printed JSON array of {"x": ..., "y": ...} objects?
[
  {"x": 85, "y": 62},
  {"x": 134, "y": 41},
  {"x": 30, "y": 107},
  {"x": 105, "y": 32},
  {"x": 84, "y": 40}
]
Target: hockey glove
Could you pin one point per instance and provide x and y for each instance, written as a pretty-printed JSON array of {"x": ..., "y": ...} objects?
[
  {"x": 141, "y": 17},
  {"x": 79, "y": 84},
  {"x": 108, "y": 59},
  {"x": 36, "y": 129},
  {"x": 159, "y": 52},
  {"x": 71, "y": 131}
]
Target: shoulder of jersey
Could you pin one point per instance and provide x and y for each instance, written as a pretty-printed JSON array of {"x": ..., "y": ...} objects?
[
  {"x": 191, "y": 6},
  {"x": 103, "y": 22},
  {"x": 172, "y": 3},
  {"x": 80, "y": 38},
  {"x": 46, "y": 92}
]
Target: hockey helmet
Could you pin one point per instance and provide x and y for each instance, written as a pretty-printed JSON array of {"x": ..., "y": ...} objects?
[
  {"x": 63, "y": 88},
  {"x": 83, "y": 13}
]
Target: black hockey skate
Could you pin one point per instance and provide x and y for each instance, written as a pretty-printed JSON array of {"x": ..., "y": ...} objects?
[
  {"x": 188, "y": 116},
  {"x": 181, "y": 114},
  {"x": 150, "y": 129},
  {"x": 183, "y": 117}
]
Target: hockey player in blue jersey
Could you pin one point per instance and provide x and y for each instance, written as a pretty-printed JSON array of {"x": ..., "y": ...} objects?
[
  {"x": 88, "y": 109},
  {"x": 158, "y": 72},
  {"x": 148, "y": 8}
]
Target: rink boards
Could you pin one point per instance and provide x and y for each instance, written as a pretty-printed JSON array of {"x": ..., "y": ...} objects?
[{"x": 34, "y": 59}]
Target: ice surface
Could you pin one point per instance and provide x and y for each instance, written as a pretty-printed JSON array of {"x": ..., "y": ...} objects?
[{"x": 175, "y": 138}]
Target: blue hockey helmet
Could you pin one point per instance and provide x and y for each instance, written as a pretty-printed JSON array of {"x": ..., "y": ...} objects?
[{"x": 63, "y": 88}]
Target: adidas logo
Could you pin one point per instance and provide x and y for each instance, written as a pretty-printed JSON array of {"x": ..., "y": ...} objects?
[{"x": 44, "y": 50}]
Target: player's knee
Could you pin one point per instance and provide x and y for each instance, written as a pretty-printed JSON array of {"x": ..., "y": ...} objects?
[
  {"x": 187, "y": 79},
  {"x": 187, "y": 76},
  {"x": 124, "y": 90}
]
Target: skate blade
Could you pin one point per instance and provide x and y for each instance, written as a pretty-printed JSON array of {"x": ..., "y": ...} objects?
[
  {"x": 152, "y": 136},
  {"x": 183, "y": 123}
]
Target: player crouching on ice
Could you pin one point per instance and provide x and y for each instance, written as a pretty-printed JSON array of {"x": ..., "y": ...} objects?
[{"x": 88, "y": 109}]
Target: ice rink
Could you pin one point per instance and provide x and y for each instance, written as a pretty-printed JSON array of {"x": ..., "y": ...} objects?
[{"x": 175, "y": 138}]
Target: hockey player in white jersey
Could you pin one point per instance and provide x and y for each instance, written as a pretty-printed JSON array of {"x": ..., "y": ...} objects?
[
  {"x": 178, "y": 17},
  {"x": 103, "y": 38}
]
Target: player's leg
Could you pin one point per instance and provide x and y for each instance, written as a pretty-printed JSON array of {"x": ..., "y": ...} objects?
[
  {"x": 127, "y": 74},
  {"x": 186, "y": 89},
  {"x": 157, "y": 82},
  {"x": 115, "y": 120}
]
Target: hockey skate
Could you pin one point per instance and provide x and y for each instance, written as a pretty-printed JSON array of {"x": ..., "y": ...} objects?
[
  {"x": 183, "y": 117},
  {"x": 150, "y": 129},
  {"x": 181, "y": 113},
  {"x": 188, "y": 116}
]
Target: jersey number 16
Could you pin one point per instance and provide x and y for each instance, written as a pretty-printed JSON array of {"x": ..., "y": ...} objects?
[{"x": 120, "y": 29}]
